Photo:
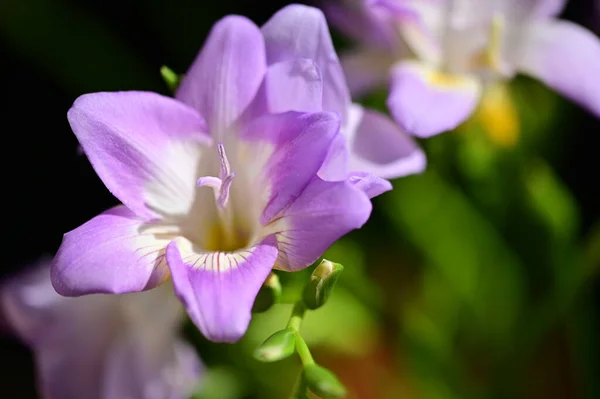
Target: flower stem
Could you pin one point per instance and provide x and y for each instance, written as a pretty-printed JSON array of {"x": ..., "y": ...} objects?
[
  {"x": 301, "y": 391},
  {"x": 295, "y": 320},
  {"x": 297, "y": 315},
  {"x": 303, "y": 351}
]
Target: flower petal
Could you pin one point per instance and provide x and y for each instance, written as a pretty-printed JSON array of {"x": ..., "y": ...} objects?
[
  {"x": 549, "y": 8},
  {"x": 168, "y": 369},
  {"x": 401, "y": 9},
  {"x": 129, "y": 138},
  {"x": 363, "y": 23},
  {"x": 298, "y": 31},
  {"x": 367, "y": 69},
  {"x": 381, "y": 148},
  {"x": 283, "y": 153},
  {"x": 112, "y": 253},
  {"x": 335, "y": 165},
  {"x": 146, "y": 358},
  {"x": 324, "y": 213},
  {"x": 37, "y": 313},
  {"x": 370, "y": 184},
  {"x": 70, "y": 361},
  {"x": 82, "y": 336},
  {"x": 218, "y": 289},
  {"x": 226, "y": 74},
  {"x": 426, "y": 102},
  {"x": 566, "y": 57},
  {"x": 293, "y": 85}
]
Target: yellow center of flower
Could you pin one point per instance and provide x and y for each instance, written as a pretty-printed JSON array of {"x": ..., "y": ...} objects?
[{"x": 218, "y": 239}]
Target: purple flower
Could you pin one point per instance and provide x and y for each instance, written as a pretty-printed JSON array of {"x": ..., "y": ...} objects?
[
  {"x": 300, "y": 55},
  {"x": 216, "y": 193},
  {"x": 375, "y": 28},
  {"x": 462, "y": 47},
  {"x": 101, "y": 346}
]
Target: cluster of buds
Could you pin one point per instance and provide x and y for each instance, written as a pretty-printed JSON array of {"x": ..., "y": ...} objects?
[{"x": 284, "y": 343}]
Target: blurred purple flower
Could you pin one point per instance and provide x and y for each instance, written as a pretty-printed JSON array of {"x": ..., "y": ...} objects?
[
  {"x": 461, "y": 47},
  {"x": 374, "y": 27},
  {"x": 101, "y": 346},
  {"x": 216, "y": 192},
  {"x": 301, "y": 58}
]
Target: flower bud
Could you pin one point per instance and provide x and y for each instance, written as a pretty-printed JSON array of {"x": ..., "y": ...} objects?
[
  {"x": 277, "y": 347},
  {"x": 268, "y": 295},
  {"x": 321, "y": 284},
  {"x": 171, "y": 78},
  {"x": 323, "y": 382}
]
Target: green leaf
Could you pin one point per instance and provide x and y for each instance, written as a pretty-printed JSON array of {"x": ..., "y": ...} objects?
[
  {"x": 482, "y": 274},
  {"x": 551, "y": 200},
  {"x": 171, "y": 78}
]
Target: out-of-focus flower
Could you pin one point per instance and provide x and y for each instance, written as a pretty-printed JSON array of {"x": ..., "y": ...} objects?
[
  {"x": 375, "y": 30},
  {"x": 464, "y": 46},
  {"x": 101, "y": 346},
  {"x": 215, "y": 192},
  {"x": 300, "y": 50}
]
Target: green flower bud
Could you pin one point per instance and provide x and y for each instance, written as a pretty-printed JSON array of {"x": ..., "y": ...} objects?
[
  {"x": 268, "y": 295},
  {"x": 321, "y": 284},
  {"x": 277, "y": 347},
  {"x": 323, "y": 382},
  {"x": 171, "y": 78}
]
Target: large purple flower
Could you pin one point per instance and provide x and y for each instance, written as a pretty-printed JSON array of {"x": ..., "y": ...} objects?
[
  {"x": 301, "y": 57},
  {"x": 216, "y": 192},
  {"x": 463, "y": 47},
  {"x": 101, "y": 346}
]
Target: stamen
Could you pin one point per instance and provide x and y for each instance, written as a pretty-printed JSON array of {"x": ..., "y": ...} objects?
[
  {"x": 220, "y": 185},
  {"x": 210, "y": 181}
]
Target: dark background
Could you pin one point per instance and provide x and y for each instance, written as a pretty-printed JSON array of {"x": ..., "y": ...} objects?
[{"x": 52, "y": 51}]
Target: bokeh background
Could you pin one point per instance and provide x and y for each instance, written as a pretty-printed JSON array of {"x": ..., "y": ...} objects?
[{"x": 477, "y": 279}]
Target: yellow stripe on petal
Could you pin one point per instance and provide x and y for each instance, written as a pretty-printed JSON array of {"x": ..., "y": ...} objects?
[
  {"x": 447, "y": 80},
  {"x": 498, "y": 116},
  {"x": 442, "y": 79}
]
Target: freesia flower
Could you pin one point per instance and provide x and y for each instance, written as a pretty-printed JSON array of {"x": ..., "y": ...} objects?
[
  {"x": 374, "y": 28},
  {"x": 300, "y": 54},
  {"x": 463, "y": 47},
  {"x": 216, "y": 193},
  {"x": 101, "y": 346}
]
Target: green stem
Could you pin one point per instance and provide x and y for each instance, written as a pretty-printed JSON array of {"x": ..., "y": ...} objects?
[
  {"x": 303, "y": 351},
  {"x": 306, "y": 358},
  {"x": 297, "y": 316},
  {"x": 301, "y": 391}
]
